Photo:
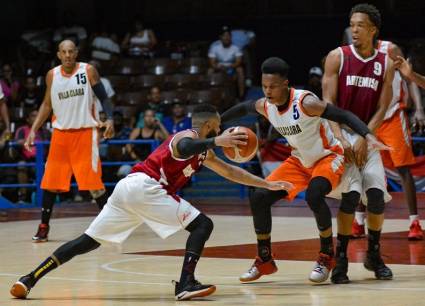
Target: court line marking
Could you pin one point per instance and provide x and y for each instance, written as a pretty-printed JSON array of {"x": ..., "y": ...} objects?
[
  {"x": 243, "y": 286},
  {"x": 108, "y": 267}
]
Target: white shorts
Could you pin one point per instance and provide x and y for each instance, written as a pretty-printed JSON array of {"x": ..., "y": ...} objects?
[
  {"x": 136, "y": 199},
  {"x": 372, "y": 174},
  {"x": 350, "y": 181}
]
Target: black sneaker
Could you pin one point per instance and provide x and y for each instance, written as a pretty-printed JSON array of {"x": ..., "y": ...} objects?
[
  {"x": 42, "y": 232},
  {"x": 192, "y": 289},
  {"x": 339, "y": 273},
  {"x": 22, "y": 287},
  {"x": 375, "y": 263}
]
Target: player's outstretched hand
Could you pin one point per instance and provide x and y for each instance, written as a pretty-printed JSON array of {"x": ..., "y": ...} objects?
[
  {"x": 374, "y": 143},
  {"x": 109, "y": 128},
  {"x": 279, "y": 185},
  {"x": 29, "y": 142},
  {"x": 231, "y": 138}
]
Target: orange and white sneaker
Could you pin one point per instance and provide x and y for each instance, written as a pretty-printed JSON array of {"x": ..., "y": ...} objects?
[
  {"x": 22, "y": 287},
  {"x": 323, "y": 266},
  {"x": 415, "y": 231},
  {"x": 258, "y": 269},
  {"x": 357, "y": 230}
]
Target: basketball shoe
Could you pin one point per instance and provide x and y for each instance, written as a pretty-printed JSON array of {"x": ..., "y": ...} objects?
[
  {"x": 339, "y": 273},
  {"x": 415, "y": 231},
  {"x": 374, "y": 262},
  {"x": 258, "y": 269},
  {"x": 192, "y": 289},
  {"x": 42, "y": 232},
  {"x": 357, "y": 230},
  {"x": 323, "y": 266},
  {"x": 22, "y": 287}
]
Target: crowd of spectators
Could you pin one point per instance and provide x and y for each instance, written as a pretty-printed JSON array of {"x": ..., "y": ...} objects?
[{"x": 152, "y": 102}]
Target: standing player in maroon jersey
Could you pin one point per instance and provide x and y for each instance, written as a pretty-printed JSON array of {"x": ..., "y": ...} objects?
[
  {"x": 148, "y": 195},
  {"x": 358, "y": 78}
]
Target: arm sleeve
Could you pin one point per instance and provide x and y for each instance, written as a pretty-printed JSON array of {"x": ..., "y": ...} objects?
[
  {"x": 345, "y": 117},
  {"x": 239, "y": 110},
  {"x": 100, "y": 92},
  {"x": 188, "y": 147}
]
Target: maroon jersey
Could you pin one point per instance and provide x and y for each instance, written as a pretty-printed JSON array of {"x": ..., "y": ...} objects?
[
  {"x": 360, "y": 82},
  {"x": 173, "y": 173}
]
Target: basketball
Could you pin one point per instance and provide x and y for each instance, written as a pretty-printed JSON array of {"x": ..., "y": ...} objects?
[{"x": 242, "y": 153}]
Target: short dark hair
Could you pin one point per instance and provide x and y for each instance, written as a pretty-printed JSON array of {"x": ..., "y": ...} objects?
[
  {"x": 202, "y": 113},
  {"x": 370, "y": 10},
  {"x": 275, "y": 65}
]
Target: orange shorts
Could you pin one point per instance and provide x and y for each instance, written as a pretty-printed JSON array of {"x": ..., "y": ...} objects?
[
  {"x": 291, "y": 170},
  {"x": 395, "y": 132},
  {"x": 73, "y": 152}
]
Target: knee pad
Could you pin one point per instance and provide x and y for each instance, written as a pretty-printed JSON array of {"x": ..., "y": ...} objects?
[
  {"x": 261, "y": 198},
  {"x": 349, "y": 202},
  {"x": 316, "y": 192},
  {"x": 375, "y": 201},
  {"x": 202, "y": 225}
]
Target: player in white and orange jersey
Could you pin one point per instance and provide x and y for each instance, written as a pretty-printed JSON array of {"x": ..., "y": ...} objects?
[
  {"x": 70, "y": 92},
  {"x": 316, "y": 164}
]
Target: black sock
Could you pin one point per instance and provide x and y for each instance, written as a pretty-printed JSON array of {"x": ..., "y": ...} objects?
[
  {"x": 45, "y": 267},
  {"x": 341, "y": 245},
  {"x": 326, "y": 245},
  {"x": 46, "y": 209},
  {"x": 264, "y": 248},
  {"x": 373, "y": 240},
  {"x": 101, "y": 200},
  {"x": 189, "y": 265}
]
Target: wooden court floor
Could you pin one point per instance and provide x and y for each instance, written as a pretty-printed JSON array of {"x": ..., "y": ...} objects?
[{"x": 140, "y": 271}]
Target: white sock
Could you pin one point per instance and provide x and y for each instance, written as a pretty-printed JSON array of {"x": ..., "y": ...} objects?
[
  {"x": 413, "y": 218},
  {"x": 359, "y": 215}
]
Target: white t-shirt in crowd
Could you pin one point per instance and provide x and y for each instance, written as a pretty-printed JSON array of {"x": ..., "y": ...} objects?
[
  {"x": 225, "y": 56},
  {"x": 1, "y": 93},
  {"x": 105, "y": 47},
  {"x": 110, "y": 92}
]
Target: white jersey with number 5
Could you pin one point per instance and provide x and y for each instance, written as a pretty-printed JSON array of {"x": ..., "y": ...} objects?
[
  {"x": 72, "y": 99},
  {"x": 310, "y": 137}
]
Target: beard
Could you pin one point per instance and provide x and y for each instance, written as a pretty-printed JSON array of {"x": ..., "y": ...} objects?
[{"x": 211, "y": 134}]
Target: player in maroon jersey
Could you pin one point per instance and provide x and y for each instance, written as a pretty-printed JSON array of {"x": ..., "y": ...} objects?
[
  {"x": 359, "y": 78},
  {"x": 148, "y": 195}
]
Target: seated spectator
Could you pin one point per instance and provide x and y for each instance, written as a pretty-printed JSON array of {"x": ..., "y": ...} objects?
[
  {"x": 314, "y": 82},
  {"x": 152, "y": 129},
  {"x": 104, "y": 47},
  {"x": 72, "y": 31},
  {"x": 140, "y": 42},
  {"x": 179, "y": 120},
  {"x": 30, "y": 97},
  {"x": 155, "y": 103},
  {"x": 10, "y": 85},
  {"x": 4, "y": 114},
  {"x": 226, "y": 57},
  {"x": 27, "y": 174},
  {"x": 245, "y": 41},
  {"x": 8, "y": 175}
]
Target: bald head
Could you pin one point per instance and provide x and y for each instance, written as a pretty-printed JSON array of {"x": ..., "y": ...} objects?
[
  {"x": 67, "y": 53},
  {"x": 68, "y": 44}
]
